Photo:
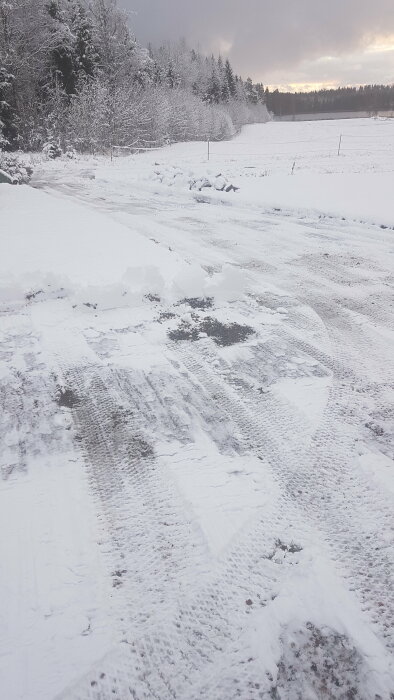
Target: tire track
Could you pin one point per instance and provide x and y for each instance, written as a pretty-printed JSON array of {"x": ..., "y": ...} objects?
[
  {"x": 348, "y": 511},
  {"x": 166, "y": 657},
  {"x": 154, "y": 543}
]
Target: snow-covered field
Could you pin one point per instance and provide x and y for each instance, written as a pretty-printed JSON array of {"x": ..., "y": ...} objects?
[{"x": 196, "y": 495}]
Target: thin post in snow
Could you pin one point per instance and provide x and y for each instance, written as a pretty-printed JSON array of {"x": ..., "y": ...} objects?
[
  {"x": 340, "y": 144},
  {"x": 292, "y": 170},
  {"x": 209, "y": 149}
]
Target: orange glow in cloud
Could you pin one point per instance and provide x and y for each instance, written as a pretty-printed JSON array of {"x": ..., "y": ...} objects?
[
  {"x": 303, "y": 87},
  {"x": 381, "y": 44}
]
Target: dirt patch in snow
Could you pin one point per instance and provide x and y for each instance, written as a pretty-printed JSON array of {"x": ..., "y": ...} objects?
[
  {"x": 153, "y": 298},
  {"x": 66, "y": 398},
  {"x": 319, "y": 663},
  {"x": 199, "y": 303},
  {"x": 222, "y": 334},
  {"x": 166, "y": 316}
]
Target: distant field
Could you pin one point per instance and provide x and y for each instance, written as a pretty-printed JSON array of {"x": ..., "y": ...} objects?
[
  {"x": 330, "y": 115},
  {"x": 367, "y": 146}
]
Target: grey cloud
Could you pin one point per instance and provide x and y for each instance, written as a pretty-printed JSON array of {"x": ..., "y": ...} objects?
[
  {"x": 350, "y": 69},
  {"x": 265, "y": 36}
]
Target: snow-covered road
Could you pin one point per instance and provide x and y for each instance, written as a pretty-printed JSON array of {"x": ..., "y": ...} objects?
[{"x": 197, "y": 420}]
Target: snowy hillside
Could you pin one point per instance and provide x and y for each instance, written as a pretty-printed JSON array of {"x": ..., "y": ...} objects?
[{"x": 196, "y": 495}]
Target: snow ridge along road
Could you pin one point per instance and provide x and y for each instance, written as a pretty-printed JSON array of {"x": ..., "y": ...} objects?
[{"x": 203, "y": 389}]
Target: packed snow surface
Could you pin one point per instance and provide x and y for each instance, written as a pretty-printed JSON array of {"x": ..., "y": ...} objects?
[{"x": 196, "y": 387}]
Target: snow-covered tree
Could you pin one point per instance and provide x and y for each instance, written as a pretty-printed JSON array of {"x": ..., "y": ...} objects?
[{"x": 73, "y": 74}]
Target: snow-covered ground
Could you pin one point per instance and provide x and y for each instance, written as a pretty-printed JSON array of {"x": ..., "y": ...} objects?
[{"x": 196, "y": 421}]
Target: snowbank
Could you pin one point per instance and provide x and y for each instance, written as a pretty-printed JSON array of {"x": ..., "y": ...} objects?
[
  {"x": 44, "y": 235},
  {"x": 50, "y": 242},
  {"x": 51, "y": 247}
]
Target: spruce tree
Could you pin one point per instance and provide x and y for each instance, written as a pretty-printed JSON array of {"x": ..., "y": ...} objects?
[
  {"x": 230, "y": 79},
  {"x": 251, "y": 92},
  {"x": 86, "y": 53},
  {"x": 8, "y": 118}
]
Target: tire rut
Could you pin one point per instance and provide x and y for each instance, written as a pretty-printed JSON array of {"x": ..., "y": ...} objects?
[
  {"x": 153, "y": 543},
  {"x": 324, "y": 485}
]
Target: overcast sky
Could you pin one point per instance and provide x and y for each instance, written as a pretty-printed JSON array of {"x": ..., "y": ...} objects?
[{"x": 285, "y": 43}]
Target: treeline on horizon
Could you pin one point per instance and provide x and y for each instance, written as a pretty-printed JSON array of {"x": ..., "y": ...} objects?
[
  {"x": 368, "y": 98},
  {"x": 72, "y": 75}
]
